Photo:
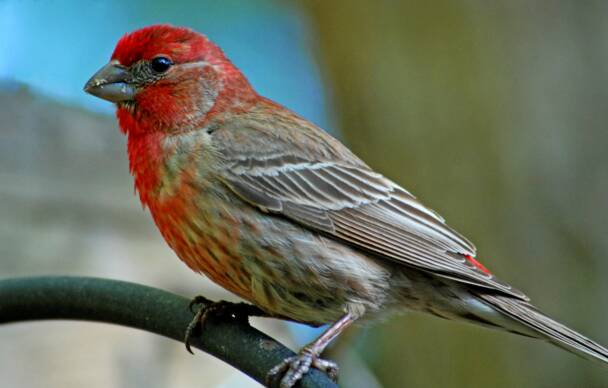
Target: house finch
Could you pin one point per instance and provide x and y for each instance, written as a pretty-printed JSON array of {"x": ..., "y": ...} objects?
[{"x": 277, "y": 211}]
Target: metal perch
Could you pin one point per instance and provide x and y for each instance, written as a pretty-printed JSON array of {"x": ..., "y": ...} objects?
[{"x": 145, "y": 308}]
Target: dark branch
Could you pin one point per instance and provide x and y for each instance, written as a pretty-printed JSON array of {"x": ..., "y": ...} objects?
[{"x": 146, "y": 308}]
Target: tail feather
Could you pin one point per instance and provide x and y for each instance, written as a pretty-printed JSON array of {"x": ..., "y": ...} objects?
[{"x": 545, "y": 327}]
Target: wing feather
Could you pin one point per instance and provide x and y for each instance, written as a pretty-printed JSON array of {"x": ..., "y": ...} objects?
[{"x": 350, "y": 202}]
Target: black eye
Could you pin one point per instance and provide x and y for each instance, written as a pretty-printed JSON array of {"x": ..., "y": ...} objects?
[{"x": 161, "y": 64}]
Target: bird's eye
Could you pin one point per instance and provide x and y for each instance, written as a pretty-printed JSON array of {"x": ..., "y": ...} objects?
[{"x": 161, "y": 64}]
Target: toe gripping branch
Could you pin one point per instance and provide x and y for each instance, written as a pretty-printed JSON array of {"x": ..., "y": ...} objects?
[
  {"x": 221, "y": 309},
  {"x": 292, "y": 369}
]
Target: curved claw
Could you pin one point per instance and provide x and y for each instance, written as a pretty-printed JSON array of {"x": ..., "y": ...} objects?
[
  {"x": 327, "y": 366},
  {"x": 207, "y": 306},
  {"x": 192, "y": 326},
  {"x": 239, "y": 311},
  {"x": 294, "y": 368}
]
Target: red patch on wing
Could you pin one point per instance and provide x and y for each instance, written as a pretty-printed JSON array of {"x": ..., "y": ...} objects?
[{"x": 477, "y": 264}]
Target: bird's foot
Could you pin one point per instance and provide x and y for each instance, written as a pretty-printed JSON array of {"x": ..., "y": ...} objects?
[
  {"x": 292, "y": 369},
  {"x": 239, "y": 311}
]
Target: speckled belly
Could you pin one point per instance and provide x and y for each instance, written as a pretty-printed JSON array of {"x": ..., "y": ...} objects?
[
  {"x": 206, "y": 236},
  {"x": 278, "y": 265}
]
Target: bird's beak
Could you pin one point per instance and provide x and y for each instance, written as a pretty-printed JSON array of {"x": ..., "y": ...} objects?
[{"x": 112, "y": 83}]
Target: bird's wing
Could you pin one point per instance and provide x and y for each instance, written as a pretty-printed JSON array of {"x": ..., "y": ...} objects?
[{"x": 345, "y": 199}]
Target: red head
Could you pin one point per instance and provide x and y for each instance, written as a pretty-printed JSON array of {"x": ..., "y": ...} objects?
[
  {"x": 180, "y": 44},
  {"x": 168, "y": 79}
]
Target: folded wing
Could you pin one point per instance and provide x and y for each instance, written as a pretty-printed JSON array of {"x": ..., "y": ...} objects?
[{"x": 352, "y": 203}]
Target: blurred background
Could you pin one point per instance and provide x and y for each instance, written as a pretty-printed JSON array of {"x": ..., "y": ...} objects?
[{"x": 493, "y": 113}]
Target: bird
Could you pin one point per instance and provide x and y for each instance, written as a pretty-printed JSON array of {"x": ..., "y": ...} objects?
[{"x": 280, "y": 213}]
